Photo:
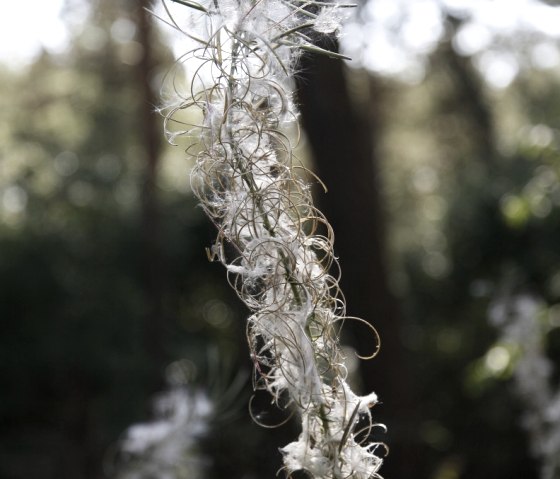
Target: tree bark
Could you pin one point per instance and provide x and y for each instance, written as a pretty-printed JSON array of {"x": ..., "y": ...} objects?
[
  {"x": 150, "y": 141},
  {"x": 343, "y": 142}
]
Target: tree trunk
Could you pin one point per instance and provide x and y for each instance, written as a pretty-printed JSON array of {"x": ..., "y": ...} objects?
[
  {"x": 150, "y": 140},
  {"x": 343, "y": 144}
]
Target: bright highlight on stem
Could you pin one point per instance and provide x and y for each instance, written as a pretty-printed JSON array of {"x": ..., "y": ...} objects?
[{"x": 276, "y": 246}]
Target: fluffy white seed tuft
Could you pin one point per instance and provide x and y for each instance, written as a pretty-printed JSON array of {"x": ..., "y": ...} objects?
[{"x": 276, "y": 246}]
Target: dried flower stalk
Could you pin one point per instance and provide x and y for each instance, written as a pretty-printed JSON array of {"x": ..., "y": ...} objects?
[{"x": 276, "y": 246}]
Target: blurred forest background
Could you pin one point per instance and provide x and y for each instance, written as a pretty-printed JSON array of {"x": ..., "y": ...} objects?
[{"x": 444, "y": 193}]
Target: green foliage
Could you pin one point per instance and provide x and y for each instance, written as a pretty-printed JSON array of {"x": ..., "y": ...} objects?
[
  {"x": 79, "y": 360},
  {"x": 475, "y": 205}
]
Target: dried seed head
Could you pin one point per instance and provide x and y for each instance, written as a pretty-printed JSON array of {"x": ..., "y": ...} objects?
[{"x": 249, "y": 183}]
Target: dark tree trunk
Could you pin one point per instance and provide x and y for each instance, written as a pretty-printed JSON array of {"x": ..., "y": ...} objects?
[
  {"x": 343, "y": 144},
  {"x": 150, "y": 141},
  {"x": 468, "y": 100}
]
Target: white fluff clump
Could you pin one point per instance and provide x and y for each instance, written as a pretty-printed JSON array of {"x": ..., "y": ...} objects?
[
  {"x": 165, "y": 447},
  {"x": 276, "y": 246},
  {"x": 523, "y": 322}
]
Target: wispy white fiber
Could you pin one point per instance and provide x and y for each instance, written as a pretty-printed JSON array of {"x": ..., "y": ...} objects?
[
  {"x": 276, "y": 246},
  {"x": 165, "y": 447}
]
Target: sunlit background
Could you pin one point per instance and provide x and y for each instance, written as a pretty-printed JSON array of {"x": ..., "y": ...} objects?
[{"x": 107, "y": 297}]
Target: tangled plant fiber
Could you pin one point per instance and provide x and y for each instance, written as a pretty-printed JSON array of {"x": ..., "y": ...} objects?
[{"x": 276, "y": 246}]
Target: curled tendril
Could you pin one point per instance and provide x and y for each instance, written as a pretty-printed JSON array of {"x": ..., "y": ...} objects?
[{"x": 279, "y": 255}]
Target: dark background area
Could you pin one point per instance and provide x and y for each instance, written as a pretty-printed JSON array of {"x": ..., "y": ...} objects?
[{"x": 443, "y": 194}]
